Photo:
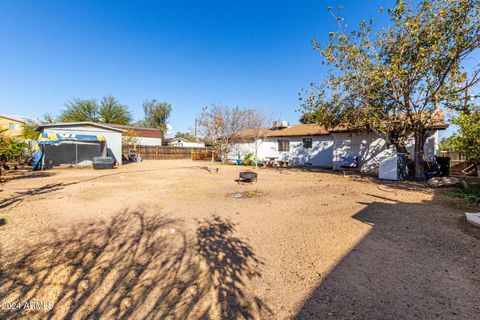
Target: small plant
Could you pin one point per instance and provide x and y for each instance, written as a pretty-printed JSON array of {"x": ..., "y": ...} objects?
[
  {"x": 470, "y": 194},
  {"x": 249, "y": 159}
]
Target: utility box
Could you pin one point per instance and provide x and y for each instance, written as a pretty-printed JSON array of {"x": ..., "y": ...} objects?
[
  {"x": 103, "y": 163},
  {"x": 393, "y": 167}
]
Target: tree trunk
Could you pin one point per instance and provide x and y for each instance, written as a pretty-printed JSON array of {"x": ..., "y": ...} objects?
[
  {"x": 419, "y": 159},
  {"x": 401, "y": 148}
]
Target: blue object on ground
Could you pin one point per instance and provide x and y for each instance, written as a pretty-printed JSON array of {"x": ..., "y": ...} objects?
[
  {"x": 37, "y": 160},
  {"x": 239, "y": 162}
]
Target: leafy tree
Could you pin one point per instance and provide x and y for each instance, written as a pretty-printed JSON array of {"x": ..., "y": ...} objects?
[
  {"x": 10, "y": 149},
  {"x": 130, "y": 138},
  {"x": 48, "y": 118},
  {"x": 112, "y": 111},
  {"x": 467, "y": 140},
  {"x": 79, "y": 110},
  {"x": 28, "y": 131},
  {"x": 156, "y": 114},
  {"x": 395, "y": 82},
  {"x": 29, "y": 127},
  {"x": 185, "y": 135}
]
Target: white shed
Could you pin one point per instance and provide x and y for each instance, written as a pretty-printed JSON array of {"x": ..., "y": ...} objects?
[{"x": 79, "y": 142}]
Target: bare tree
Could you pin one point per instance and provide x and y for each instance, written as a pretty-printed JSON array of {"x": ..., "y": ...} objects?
[
  {"x": 257, "y": 124},
  {"x": 220, "y": 125}
]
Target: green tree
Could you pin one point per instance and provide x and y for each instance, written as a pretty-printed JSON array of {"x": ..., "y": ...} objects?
[
  {"x": 28, "y": 131},
  {"x": 10, "y": 149},
  {"x": 109, "y": 110},
  {"x": 396, "y": 81},
  {"x": 112, "y": 111},
  {"x": 48, "y": 118},
  {"x": 185, "y": 135},
  {"x": 156, "y": 114},
  {"x": 79, "y": 110},
  {"x": 467, "y": 139}
]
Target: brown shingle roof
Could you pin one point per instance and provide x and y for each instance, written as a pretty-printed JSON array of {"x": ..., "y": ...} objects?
[
  {"x": 317, "y": 130},
  {"x": 144, "y": 132}
]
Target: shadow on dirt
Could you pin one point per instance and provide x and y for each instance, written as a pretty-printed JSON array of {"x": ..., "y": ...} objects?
[
  {"x": 18, "y": 197},
  {"x": 133, "y": 265},
  {"x": 414, "y": 263},
  {"x": 229, "y": 260}
]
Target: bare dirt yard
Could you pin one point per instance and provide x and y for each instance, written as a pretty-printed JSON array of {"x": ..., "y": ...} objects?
[{"x": 170, "y": 240}]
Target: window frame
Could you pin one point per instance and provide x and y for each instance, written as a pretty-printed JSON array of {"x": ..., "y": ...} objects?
[
  {"x": 13, "y": 126},
  {"x": 309, "y": 141},
  {"x": 281, "y": 143}
]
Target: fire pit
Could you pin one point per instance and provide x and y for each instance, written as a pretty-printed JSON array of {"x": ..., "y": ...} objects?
[{"x": 248, "y": 176}]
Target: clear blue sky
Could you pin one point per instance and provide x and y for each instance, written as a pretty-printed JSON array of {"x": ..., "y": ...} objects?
[{"x": 188, "y": 53}]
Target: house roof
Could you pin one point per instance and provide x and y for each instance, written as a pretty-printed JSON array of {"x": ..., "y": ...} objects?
[
  {"x": 317, "y": 130},
  {"x": 12, "y": 118},
  {"x": 176, "y": 139},
  {"x": 144, "y": 132},
  {"x": 77, "y": 124}
]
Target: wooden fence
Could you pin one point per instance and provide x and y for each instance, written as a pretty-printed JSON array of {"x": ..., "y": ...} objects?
[
  {"x": 458, "y": 163},
  {"x": 168, "y": 153}
]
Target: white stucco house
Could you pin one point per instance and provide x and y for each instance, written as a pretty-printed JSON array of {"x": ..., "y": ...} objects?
[
  {"x": 181, "y": 142},
  {"x": 78, "y": 142},
  {"x": 313, "y": 145}
]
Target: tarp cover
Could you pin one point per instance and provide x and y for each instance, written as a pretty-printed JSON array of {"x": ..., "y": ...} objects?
[{"x": 58, "y": 138}]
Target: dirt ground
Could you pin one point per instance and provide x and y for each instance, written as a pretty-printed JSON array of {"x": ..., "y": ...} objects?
[{"x": 169, "y": 239}]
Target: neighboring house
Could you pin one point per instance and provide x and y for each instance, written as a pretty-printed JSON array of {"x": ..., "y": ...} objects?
[
  {"x": 181, "y": 142},
  {"x": 78, "y": 142},
  {"x": 144, "y": 136},
  {"x": 309, "y": 144},
  {"x": 13, "y": 126}
]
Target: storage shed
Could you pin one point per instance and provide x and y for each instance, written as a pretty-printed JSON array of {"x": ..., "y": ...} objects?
[{"x": 78, "y": 142}]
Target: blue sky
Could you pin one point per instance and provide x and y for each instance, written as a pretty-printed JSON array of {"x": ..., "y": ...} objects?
[{"x": 188, "y": 53}]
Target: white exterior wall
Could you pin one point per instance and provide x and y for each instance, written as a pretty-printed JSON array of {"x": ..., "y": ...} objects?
[
  {"x": 321, "y": 153},
  {"x": 145, "y": 141},
  {"x": 113, "y": 138},
  {"x": 328, "y": 150},
  {"x": 371, "y": 149}
]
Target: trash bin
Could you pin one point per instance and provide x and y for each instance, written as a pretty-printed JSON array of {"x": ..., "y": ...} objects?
[{"x": 443, "y": 166}]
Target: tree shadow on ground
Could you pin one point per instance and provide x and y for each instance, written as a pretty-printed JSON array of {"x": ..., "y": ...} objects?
[
  {"x": 384, "y": 185},
  {"x": 230, "y": 260},
  {"x": 415, "y": 262},
  {"x": 23, "y": 174},
  {"x": 20, "y": 196},
  {"x": 133, "y": 265}
]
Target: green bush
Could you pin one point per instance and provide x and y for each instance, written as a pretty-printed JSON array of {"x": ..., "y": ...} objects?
[{"x": 471, "y": 194}]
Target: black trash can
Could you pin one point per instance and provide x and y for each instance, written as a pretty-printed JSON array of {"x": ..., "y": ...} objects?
[{"x": 443, "y": 166}]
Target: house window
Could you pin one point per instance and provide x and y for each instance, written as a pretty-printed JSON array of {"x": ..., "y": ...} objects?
[
  {"x": 13, "y": 126},
  {"x": 283, "y": 145},
  {"x": 307, "y": 143}
]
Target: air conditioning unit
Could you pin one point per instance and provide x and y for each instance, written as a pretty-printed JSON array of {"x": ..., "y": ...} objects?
[{"x": 279, "y": 124}]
